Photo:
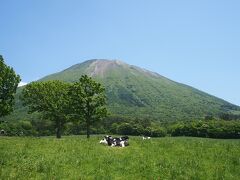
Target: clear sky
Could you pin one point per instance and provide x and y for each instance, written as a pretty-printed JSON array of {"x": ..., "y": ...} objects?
[{"x": 192, "y": 42}]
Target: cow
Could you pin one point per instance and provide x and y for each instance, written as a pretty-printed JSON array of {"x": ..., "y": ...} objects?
[
  {"x": 145, "y": 138},
  {"x": 122, "y": 141},
  {"x": 2, "y": 132},
  {"x": 113, "y": 142},
  {"x": 107, "y": 140}
]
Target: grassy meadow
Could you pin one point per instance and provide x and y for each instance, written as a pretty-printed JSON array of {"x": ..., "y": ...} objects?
[{"x": 75, "y": 157}]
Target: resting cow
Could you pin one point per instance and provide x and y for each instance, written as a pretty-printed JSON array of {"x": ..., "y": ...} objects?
[
  {"x": 113, "y": 142},
  {"x": 2, "y": 132},
  {"x": 144, "y": 138}
]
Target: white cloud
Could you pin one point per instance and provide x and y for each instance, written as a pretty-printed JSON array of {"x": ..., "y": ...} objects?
[{"x": 22, "y": 84}]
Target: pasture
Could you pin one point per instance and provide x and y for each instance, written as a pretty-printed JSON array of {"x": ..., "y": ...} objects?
[{"x": 75, "y": 157}]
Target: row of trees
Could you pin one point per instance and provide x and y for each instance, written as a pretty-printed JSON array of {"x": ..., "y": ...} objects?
[
  {"x": 212, "y": 129},
  {"x": 46, "y": 127},
  {"x": 57, "y": 101},
  {"x": 62, "y": 102}
]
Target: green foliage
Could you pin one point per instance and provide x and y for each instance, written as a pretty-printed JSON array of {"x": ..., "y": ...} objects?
[
  {"x": 60, "y": 102},
  {"x": 20, "y": 128},
  {"x": 136, "y": 126},
  {"x": 132, "y": 91},
  {"x": 139, "y": 127},
  {"x": 213, "y": 129},
  {"x": 43, "y": 126},
  {"x": 158, "y": 132},
  {"x": 79, "y": 158},
  {"x": 229, "y": 116},
  {"x": 125, "y": 128},
  {"x": 8, "y": 85},
  {"x": 87, "y": 101},
  {"x": 51, "y": 99}
]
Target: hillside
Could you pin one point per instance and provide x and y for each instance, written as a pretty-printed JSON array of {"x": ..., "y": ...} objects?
[
  {"x": 133, "y": 91},
  {"x": 136, "y": 92}
]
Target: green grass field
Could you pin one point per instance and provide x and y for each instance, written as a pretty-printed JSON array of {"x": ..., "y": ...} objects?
[{"x": 75, "y": 157}]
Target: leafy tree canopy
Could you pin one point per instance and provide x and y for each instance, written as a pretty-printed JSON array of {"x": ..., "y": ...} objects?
[
  {"x": 8, "y": 85},
  {"x": 58, "y": 101},
  {"x": 50, "y": 98},
  {"x": 88, "y": 101}
]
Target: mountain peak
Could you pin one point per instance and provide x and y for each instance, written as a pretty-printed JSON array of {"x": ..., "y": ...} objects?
[
  {"x": 98, "y": 67},
  {"x": 107, "y": 61}
]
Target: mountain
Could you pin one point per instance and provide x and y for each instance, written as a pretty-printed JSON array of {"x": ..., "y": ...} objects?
[{"x": 136, "y": 92}]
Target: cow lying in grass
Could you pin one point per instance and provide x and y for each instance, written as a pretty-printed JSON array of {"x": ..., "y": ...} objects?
[
  {"x": 2, "y": 132},
  {"x": 144, "y": 137},
  {"x": 113, "y": 142}
]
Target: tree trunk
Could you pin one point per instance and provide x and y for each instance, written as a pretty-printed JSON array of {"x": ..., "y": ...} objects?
[
  {"x": 88, "y": 128},
  {"x": 58, "y": 130}
]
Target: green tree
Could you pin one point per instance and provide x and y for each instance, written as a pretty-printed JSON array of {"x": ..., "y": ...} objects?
[
  {"x": 125, "y": 128},
  {"x": 87, "y": 101},
  {"x": 8, "y": 86},
  {"x": 51, "y": 99}
]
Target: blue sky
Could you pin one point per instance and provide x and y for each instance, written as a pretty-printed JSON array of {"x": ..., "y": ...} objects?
[{"x": 192, "y": 42}]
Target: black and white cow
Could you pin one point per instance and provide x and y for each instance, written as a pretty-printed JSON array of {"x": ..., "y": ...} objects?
[
  {"x": 146, "y": 137},
  {"x": 2, "y": 132},
  {"x": 113, "y": 142}
]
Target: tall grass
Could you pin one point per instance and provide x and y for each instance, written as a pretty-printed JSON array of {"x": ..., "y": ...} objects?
[{"x": 78, "y": 158}]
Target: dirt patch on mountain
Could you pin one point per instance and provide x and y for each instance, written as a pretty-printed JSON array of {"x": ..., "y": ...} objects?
[{"x": 99, "y": 67}]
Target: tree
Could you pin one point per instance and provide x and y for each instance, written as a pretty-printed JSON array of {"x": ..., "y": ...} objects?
[
  {"x": 8, "y": 86},
  {"x": 87, "y": 101},
  {"x": 125, "y": 128},
  {"x": 51, "y": 99}
]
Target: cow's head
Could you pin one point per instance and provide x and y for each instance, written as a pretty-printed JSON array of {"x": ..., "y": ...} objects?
[
  {"x": 103, "y": 141},
  {"x": 107, "y": 140}
]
